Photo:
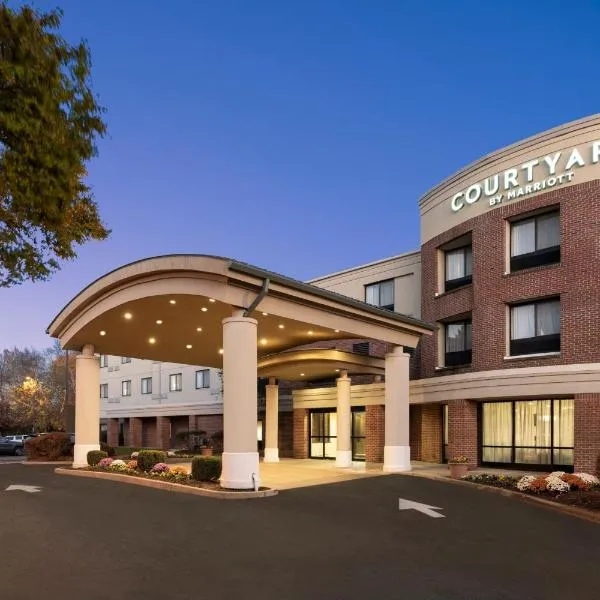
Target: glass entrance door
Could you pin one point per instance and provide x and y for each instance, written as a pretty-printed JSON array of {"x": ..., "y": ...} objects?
[
  {"x": 358, "y": 433},
  {"x": 323, "y": 433}
]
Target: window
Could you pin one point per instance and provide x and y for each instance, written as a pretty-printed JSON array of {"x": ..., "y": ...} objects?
[
  {"x": 146, "y": 385},
  {"x": 528, "y": 432},
  {"x": 104, "y": 390},
  {"x": 458, "y": 343},
  {"x": 125, "y": 359},
  {"x": 535, "y": 327},
  {"x": 361, "y": 348},
  {"x": 203, "y": 379},
  {"x": 459, "y": 267},
  {"x": 381, "y": 294},
  {"x": 175, "y": 382},
  {"x": 535, "y": 241},
  {"x": 103, "y": 360},
  {"x": 126, "y": 387}
]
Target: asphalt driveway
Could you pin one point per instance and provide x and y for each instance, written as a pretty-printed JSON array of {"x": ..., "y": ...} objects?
[{"x": 93, "y": 539}]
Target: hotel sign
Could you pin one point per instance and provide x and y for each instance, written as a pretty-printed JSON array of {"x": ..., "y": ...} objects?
[{"x": 530, "y": 177}]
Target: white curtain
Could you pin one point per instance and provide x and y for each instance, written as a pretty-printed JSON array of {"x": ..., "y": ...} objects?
[
  {"x": 522, "y": 321},
  {"x": 532, "y": 428},
  {"x": 522, "y": 237},
  {"x": 564, "y": 423},
  {"x": 386, "y": 293},
  {"x": 497, "y": 431},
  {"x": 455, "y": 337},
  {"x": 548, "y": 232},
  {"x": 373, "y": 295},
  {"x": 548, "y": 318},
  {"x": 455, "y": 264}
]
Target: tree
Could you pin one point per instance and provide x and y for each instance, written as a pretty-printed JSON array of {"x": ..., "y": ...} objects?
[{"x": 49, "y": 123}]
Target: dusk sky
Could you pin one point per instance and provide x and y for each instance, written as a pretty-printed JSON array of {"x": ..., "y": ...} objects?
[{"x": 299, "y": 135}]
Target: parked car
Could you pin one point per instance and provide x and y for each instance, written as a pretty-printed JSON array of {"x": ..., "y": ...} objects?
[
  {"x": 18, "y": 438},
  {"x": 10, "y": 446}
]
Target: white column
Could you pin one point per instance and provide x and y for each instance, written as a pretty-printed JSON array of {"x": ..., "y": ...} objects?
[
  {"x": 396, "y": 451},
  {"x": 87, "y": 405},
  {"x": 344, "y": 422},
  {"x": 240, "y": 455},
  {"x": 272, "y": 425}
]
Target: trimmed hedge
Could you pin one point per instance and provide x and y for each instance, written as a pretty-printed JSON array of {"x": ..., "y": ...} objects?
[
  {"x": 146, "y": 459},
  {"x": 49, "y": 446},
  {"x": 110, "y": 451},
  {"x": 95, "y": 456},
  {"x": 206, "y": 468}
]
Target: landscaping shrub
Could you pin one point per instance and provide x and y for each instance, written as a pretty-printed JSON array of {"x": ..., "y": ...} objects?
[
  {"x": 49, "y": 446},
  {"x": 110, "y": 451},
  {"x": 95, "y": 456},
  {"x": 206, "y": 468},
  {"x": 146, "y": 459}
]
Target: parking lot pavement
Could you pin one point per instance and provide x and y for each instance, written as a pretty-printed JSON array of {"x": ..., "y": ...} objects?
[
  {"x": 93, "y": 539},
  {"x": 10, "y": 459}
]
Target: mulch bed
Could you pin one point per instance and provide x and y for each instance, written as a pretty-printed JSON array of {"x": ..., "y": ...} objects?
[{"x": 588, "y": 499}]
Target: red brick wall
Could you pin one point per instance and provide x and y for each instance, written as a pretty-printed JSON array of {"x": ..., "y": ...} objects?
[
  {"x": 587, "y": 433},
  {"x": 300, "y": 432},
  {"x": 426, "y": 432},
  {"x": 112, "y": 434},
  {"x": 486, "y": 298},
  {"x": 462, "y": 430},
  {"x": 415, "y": 417},
  {"x": 374, "y": 432},
  {"x": 286, "y": 435},
  {"x": 163, "y": 433},
  {"x": 149, "y": 432},
  {"x": 134, "y": 433}
]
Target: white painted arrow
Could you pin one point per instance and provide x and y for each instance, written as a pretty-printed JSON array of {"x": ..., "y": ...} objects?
[
  {"x": 23, "y": 488},
  {"x": 422, "y": 508}
]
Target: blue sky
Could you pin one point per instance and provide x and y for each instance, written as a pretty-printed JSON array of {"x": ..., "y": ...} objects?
[{"x": 299, "y": 135}]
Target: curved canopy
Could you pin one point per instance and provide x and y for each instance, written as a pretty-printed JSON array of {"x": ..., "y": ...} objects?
[{"x": 170, "y": 308}]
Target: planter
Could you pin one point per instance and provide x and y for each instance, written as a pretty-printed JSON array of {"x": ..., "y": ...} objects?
[
  {"x": 458, "y": 470},
  {"x": 206, "y": 451}
]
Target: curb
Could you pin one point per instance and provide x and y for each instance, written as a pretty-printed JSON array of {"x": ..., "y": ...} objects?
[
  {"x": 33, "y": 463},
  {"x": 574, "y": 511},
  {"x": 169, "y": 486}
]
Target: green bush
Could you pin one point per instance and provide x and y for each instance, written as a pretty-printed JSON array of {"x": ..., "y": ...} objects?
[
  {"x": 95, "y": 456},
  {"x": 110, "y": 451},
  {"x": 206, "y": 468},
  {"x": 148, "y": 458},
  {"x": 50, "y": 447}
]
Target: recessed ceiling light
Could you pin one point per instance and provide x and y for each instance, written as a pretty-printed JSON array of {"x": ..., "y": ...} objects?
[
  {"x": 301, "y": 374},
  {"x": 281, "y": 326},
  {"x": 221, "y": 351},
  {"x": 204, "y": 309},
  {"x": 198, "y": 328},
  {"x": 103, "y": 332},
  {"x": 211, "y": 300},
  {"x": 188, "y": 346},
  {"x": 128, "y": 316},
  {"x": 336, "y": 330},
  {"x": 172, "y": 301},
  {"x": 337, "y": 370},
  {"x": 159, "y": 322},
  {"x": 263, "y": 341},
  {"x": 152, "y": 340},
  {"x": 310, "y": 333},
  {"x": 265, "y": 314}
]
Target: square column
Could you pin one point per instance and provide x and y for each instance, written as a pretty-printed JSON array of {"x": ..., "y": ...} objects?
[
  {"x": 112, "y": 432},
  {"x": 87, "y": 405},
  {"x": 135, "y": 432},
  {"x": 396, "y": 452},
  {"x": 272, "y": 421},
  {"x": 163, "y": 432},
  {"x": 240, "y": 403},
  {"x": 343, "y": 456}
]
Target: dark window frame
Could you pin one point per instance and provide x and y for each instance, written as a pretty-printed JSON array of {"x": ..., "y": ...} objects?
[
  {"x": 460, "y": 357},
  {"x": 123, "y": 382},
  {"x": 125, "y": 359},
  {"x": 180, "y": 380},
  {"x": 205, "y": 374},
  {"x": 539, "y": 257},
  {"x": 537, "y": 344},
  {"x": 148, "y": 391},
  {"x": 452, "y": 284},
  {"x": 103, "y": 361},
  {"x": 378, "y": 283},
  {"x": 104, "y": 387}
]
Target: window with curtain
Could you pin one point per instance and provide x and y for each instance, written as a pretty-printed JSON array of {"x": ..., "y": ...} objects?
[
  {"x": 202, "y": 378},
  {"x": 535, "y": 241},
  {"x": 528, "y": 432},
  {"x": 535, "y": 327},
  {"x": 380, "y": 294},
  {"x": 126, "y": 388},
  {"x": 459, "y": 267},
  {"x": 458, "y": 343},
  {"x": 103, "y": 360},
  {"x": 104, "y": 390},
  {"x": 146, "y": 385},
  {"x": 175, "y": 382}
]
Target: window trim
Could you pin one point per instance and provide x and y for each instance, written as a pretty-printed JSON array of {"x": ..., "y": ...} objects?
[
  {"x": 103, "y": 361},
  {"x": 104, "y": 387},
  {"x": 176, "y": 375},
  {"x": 452, "y": 284},
  {"x": 142, "y": 385},
  {"x": 540, "y": 256},
  {"x": 204, "y": 371},
  {"x": 378, "y": 283},
  {"x": 462, "y": 357},
  {"x": 537, "y": 344},
  {"x": 125, "y": 360},
  {"x": 123, "y": 382}
]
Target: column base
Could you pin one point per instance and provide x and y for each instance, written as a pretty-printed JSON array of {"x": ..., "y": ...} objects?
[
  {"x": 396, "y": 459},
  {"x": 238, "y": 469},
  {"x": 80, "y": 452},
  {"x": 271, "y": 455},
  {"x": 343, "y": 458}
]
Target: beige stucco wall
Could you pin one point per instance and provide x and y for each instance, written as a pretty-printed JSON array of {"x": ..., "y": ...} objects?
[
  {"x": 404, "y": 269},
  {"x": 437, "y": 215}
]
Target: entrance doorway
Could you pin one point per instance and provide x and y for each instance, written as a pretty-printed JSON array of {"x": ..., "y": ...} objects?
[
  {"x": 359, "y": 422},
  {"x": 322, "y": 433}
]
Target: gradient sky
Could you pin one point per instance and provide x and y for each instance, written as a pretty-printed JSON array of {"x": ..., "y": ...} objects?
[{"x": 299, "y": 135}]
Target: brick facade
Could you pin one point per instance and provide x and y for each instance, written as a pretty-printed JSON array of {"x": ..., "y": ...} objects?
[
  {"x": 163, "y": 433},
  {"x": 112, "y": 432},
  {"x": 134, "y": 432},
  {"x": 462, "y": 430},
  {"x": 426, "y": 425},
  {"x": 587, "y": 433},
  {"x": 374, "y": 432},
  {"x": 492, "y": 290},
  {"x": 300, "y": 432}
]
